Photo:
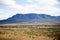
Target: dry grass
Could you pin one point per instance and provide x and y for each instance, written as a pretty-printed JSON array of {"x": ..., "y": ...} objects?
[{"x": 27, "y": 32}]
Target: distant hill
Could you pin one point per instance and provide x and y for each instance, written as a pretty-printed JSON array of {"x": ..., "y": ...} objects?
[{"x": 31, "y": 18}]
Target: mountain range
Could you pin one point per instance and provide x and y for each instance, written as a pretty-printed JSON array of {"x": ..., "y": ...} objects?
[{"x": 31, "y": 18}]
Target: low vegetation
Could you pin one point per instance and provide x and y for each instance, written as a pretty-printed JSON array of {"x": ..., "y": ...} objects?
[{"x": 30, "y": 32}]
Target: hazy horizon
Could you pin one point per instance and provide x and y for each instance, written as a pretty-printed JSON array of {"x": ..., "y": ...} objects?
[{"x": 26, "y": 13}]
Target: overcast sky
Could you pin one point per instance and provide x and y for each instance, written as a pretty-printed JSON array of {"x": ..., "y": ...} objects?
[{"x": 9, "y": 8}]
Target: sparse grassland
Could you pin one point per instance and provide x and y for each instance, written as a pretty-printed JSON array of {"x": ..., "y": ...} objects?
[{"x": 30, "y": 32}]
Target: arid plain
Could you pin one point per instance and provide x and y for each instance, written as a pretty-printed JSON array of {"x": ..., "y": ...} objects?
[{"x": 29, "y": 32}]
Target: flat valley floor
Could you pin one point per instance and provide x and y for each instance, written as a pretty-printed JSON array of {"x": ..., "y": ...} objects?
[{"x": 30, "y": 32}]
